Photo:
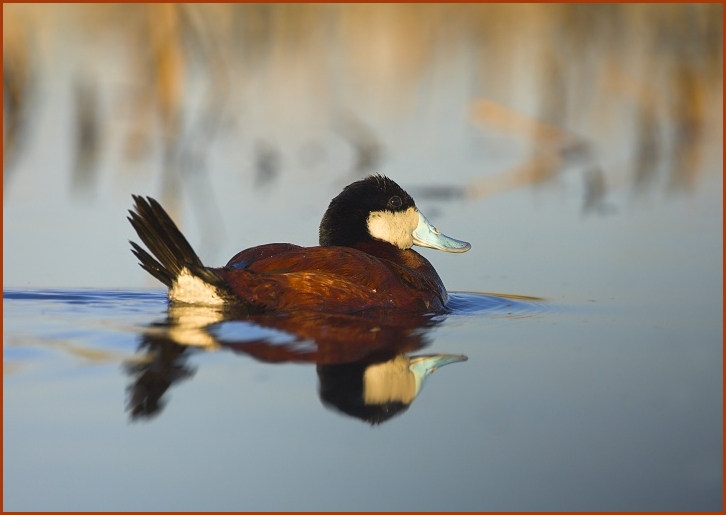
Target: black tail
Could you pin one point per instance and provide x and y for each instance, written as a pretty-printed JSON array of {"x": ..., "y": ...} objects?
[{"x": 166, "y": 242}]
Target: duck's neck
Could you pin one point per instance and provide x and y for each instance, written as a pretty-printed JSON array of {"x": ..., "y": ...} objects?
[{"x": 408, "y": 257}]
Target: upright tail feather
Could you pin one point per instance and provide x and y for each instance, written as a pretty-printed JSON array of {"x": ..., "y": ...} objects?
[{"x": 168, "y": 245}]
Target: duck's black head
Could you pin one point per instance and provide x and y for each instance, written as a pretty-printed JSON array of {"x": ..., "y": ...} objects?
[
  {"x": 345, "y": 223},
  {"x": 378, "y": 209}
]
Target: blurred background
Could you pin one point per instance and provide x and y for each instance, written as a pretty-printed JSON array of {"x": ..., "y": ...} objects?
[{"x": 245, "y": 120}]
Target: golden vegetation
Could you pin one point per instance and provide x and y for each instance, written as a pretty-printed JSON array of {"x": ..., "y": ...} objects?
[{"x": 286, "y": 78}]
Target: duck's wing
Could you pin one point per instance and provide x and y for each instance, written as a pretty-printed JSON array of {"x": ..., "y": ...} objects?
[{"x": 244, "y": 259}]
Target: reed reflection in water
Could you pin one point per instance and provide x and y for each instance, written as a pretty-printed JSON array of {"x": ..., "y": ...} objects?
[
  {"x": 364, "y": 363},
  {"x": 634, "y": 91}
]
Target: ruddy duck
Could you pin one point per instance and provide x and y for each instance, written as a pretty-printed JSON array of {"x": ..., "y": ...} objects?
[{"x": 364, "y": 263}]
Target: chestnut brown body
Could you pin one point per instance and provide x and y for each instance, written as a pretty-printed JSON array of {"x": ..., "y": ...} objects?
[{"x": 284, "y": 277}]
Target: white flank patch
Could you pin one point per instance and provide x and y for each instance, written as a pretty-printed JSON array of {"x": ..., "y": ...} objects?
[
  {"x": 395, "y": 228},
  {"x": 190, "y": 289}
]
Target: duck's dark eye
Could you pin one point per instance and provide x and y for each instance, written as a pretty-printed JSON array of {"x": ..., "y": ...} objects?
[{"x": 395, "y": 201}]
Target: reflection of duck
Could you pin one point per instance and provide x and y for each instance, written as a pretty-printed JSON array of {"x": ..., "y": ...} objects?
[
  {"x": 362, "y": 362},
  {"x": 329, "y": 338},
  {"x": 365, "y": 261},
  {"x": 375, "y": 392},
  {"x": 165, "y": 363}
]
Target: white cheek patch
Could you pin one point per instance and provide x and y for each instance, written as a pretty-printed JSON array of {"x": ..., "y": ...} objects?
[
  {"x": 190, "y": 289},
  {"x": 394, "y": 227}
]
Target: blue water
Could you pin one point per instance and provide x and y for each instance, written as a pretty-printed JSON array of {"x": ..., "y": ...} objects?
[{"x": 557, "y": 407}]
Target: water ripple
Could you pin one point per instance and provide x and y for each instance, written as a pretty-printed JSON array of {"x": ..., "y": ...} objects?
[
  {"x": 472, "y": 303},
  {"x": 460, "y": 303},
  {"x": 89, "y": 296}
]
